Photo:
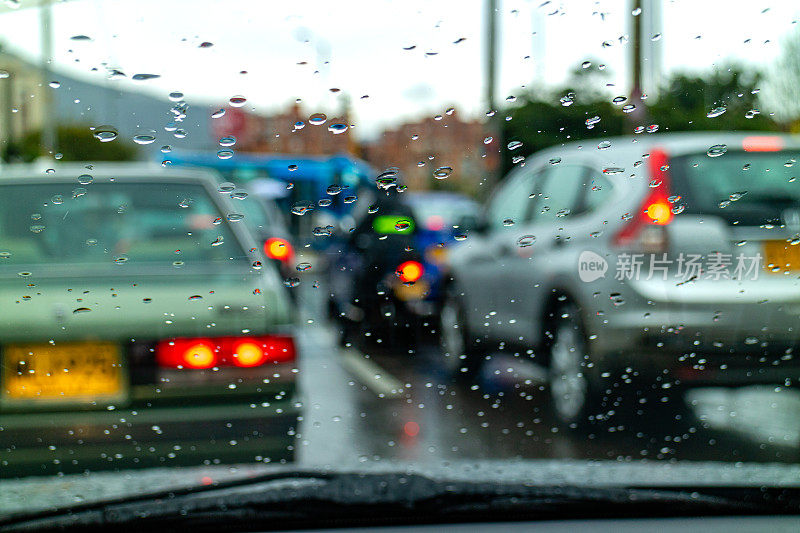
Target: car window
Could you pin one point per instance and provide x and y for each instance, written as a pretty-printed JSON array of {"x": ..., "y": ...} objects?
[
  {"x": 510, "y": 204},
  {"x": 561, "y": 192},
  {"x": 598, "y": 191}
]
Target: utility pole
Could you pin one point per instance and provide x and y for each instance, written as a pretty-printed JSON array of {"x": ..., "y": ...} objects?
[
  {"x": 49, "y": 139},
  {"x": 493, "y": 124},
  {"x": 639, "y": 114}
]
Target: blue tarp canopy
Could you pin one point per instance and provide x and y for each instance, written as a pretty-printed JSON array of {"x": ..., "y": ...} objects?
[{"x": 323, "y": 169}]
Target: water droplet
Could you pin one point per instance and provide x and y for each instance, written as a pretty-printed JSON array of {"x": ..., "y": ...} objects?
[
  {"x": 237, "y": 101},
  {"x": 218, "y": 113},
  {"x": 586, "y": 64},
  {"x": 166, "y": 149},
  {"x": 717, "y": 111},
  {"x": 325, "y": 202},
  {"x": 85, "y": 179},
  {"x": 591, "y": 121},
  {"x": 513, "y": 145},
  {"x": 227, "y": 141},
  {"x": 105, "y": 133},
  {"x": 302, "y": 208},
  {"x": 613, "y": 170},
  {"x": 603, "y": 145},
  {"x": 302, "y": 267},
  {"x": 487, "y": 140},
  {"x": 619, "y": 100},
  {"x": 402, "y": 225},
  {"x": 337, "y": 128},
  {"x": 257, "y": 265},
  {"x": 225, "y": 154},
  {"x": 350, "y": 199},
  {"x": 299, "y": 125},
  {"x": 239, "y": 195},
  {"x": 717, "y": 150},
  {"x": 78, "y": 192},
  {"x": 656, "y": 37},
  {"x": 180, "y": 134},
  {"x": 317, "y": 119},
  {"x": 145, "y": 77},
  {"x": 218, "y": 241},
  {"x": 508, "y": 222},
  {"x": 554, "y": 160},
  {"x": 652, "y": 128},
  {"x": 291, "y": 282},
  {"x": 57, "y": 199},
  {"x": 567, "y": 100},
  {"x": 121, "y": 259},
  {"x": 80, "y": 310},
  {"x": 55, "y": 84},
  {"x": 235, "y": 217},
  {"x": 442, "y": 172},
  {"x": 80, "y": 38},
  {"x": 638, "y": 129},
  {"x": 525, "y": 241},
  {"x": 372, "y": 209},
  {"x": 37, "y": 228},
  {"x": 333, "y": 190},
  {"x": 226, "y": 187},
  {"x": 144, "y": 138},
  {"x": 292, "y": 168},
  {"x": 628, "y": 108}
]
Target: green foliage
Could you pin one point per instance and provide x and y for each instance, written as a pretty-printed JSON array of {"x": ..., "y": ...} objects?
[
  {"x": 75, "y": 143},
  {"x": 682, "y": 105}
]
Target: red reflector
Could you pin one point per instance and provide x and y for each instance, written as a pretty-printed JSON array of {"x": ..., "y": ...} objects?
[
  {"x": 225, "y": 351},
  {"x": 762, "y": 143},
  {"x": 410, "y": 271},
  {"x": 279, "y": 249}
]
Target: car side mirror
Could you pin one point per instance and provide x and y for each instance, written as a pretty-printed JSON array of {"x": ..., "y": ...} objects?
[{"x": 472, "y": 223}]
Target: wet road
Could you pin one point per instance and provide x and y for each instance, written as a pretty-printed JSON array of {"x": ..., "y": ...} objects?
[{"x": 375, "y": 405}]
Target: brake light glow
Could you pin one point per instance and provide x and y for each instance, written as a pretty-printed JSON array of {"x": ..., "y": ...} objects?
[
  {"x": 656, "y": 208},
  {"x": 279, "y": 249},
  {"x": 410, "y": 271},
  {"x": 201, "y": 353},
  {"x": 762, "y": 143}
]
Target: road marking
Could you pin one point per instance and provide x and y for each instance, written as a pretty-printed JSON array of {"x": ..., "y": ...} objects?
[{"x": 370, "y": 374}]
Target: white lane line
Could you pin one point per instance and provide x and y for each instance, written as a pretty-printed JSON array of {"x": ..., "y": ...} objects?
[{"x": 370, "y": 374}]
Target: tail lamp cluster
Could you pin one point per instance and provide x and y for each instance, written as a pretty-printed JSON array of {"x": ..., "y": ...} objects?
[
  {"x": 244, "y": 352},
  {"x": 655, "y": 210}
]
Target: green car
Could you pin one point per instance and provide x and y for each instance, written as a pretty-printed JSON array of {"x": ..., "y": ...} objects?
[{"x": 140, "y": 323}]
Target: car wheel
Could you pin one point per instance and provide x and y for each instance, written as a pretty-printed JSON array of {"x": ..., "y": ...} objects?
[
  {"x": 459, "y": 356},
  {"x": 571, "y": 387}
]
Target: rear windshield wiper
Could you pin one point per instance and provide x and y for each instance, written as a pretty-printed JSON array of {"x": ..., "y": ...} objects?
[{"x": 304, "y": 499}]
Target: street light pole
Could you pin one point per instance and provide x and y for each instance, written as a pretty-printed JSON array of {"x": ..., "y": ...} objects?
[
  {"x": 493, "y": 124},
  {"x": 49, "y": 139}
]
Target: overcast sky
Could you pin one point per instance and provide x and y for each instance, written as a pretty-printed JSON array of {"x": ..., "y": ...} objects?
[{"x": 358, "y": 47}]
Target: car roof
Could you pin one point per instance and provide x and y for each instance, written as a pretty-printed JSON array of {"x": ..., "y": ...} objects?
[
  {"x": 122, "y": 171},
  {"x": 675, "y": 144}
]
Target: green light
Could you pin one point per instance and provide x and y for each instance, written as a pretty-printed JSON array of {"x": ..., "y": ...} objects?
[{"x": 385, "y": 224}]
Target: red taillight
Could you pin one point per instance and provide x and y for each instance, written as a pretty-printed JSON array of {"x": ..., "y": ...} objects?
[
  {"x": 656, "y": 209},
  {"x": 410, "y": 271},
  {"x": 279, "y": 249},
  {"x": 200, "y": 353}
]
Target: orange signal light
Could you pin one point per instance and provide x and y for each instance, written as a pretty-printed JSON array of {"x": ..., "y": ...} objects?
[
  {"x": 659, "y": 212},
  {"x": 279, "y": 249}
]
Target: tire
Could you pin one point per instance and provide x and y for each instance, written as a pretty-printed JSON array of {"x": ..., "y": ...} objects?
[
  {"x": 572, "y": 388},
  {"x": 460, "y": 357}
]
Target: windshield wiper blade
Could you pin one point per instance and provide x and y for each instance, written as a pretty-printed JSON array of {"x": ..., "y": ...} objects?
[{"x": 303, "y": 499}]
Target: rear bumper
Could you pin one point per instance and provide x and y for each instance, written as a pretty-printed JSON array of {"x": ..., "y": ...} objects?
[{"x": 244, "y": 429}]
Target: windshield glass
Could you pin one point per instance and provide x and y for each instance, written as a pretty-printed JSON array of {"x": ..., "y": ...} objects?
[
  {"x": 59, "y": 223},
  {"x": 528, "y": 242}
]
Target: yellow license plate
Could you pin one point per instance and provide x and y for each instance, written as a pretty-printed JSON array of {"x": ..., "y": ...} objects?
[
  {"x": 415, "y": 291},
  {"x": 63, "y": 372},
  {"x": 780, "y": 256}
]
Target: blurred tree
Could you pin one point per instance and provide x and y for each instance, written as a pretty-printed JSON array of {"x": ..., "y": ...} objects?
[
  {"x": 75, "y": 143},
  {"x": 687, "y": 101},
  {"x": 784, "y": 81},
  {"x": 544, "y": 119}
]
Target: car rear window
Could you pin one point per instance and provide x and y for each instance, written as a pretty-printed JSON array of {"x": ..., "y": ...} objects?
[
  {"x": 112, "y": 223},
  {"x": 742, "y": 187}
]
